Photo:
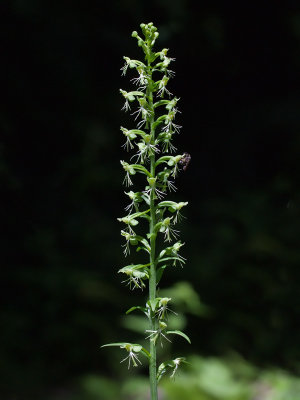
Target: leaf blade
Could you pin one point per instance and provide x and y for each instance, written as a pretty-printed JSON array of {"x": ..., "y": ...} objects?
[{"x": 179, "y": 333}]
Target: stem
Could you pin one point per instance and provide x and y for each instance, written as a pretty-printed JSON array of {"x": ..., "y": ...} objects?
[{"x": 152, "y": 278}]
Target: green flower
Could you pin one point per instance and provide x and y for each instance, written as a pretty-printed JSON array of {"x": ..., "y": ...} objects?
[
  {"x": 129, "y": 171},
  {"x": 129, "y": 221},
  {"x": 166, "y": 138},
  {"x": 142, "y": 79},
  {"x": 129, "y": 137},
  {"x": 135, "y": 199},
  {"x": 132, "y": 350},
  {"x": 152, "y": 187},
  {"x": 163, "y": 308},
  {"x": 158, "y": 333},
  {"x": 170, "y": 126},
  {"x": 135, "y": 275},
  {"x": 162, "y": 87},
  {"x": 167, "y": 229},
  {"x": 142, "y": 111}
]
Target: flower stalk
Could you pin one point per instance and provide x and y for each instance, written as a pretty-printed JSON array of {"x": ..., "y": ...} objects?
[{"x": 152, "y": 139}]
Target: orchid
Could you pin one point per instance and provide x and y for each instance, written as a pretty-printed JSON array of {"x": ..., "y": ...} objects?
[{"x": 150, "y": 144}]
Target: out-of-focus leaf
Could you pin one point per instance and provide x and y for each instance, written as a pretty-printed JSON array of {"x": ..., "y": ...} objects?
[{"x": 179, "y": 333}]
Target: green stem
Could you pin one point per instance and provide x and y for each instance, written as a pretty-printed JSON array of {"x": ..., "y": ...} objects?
[{"x": 152, "y": 279}]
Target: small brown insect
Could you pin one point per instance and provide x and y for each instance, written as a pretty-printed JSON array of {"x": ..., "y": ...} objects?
[{"x": 186, "y": 159}]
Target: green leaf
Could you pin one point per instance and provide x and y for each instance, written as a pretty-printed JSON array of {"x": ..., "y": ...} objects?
[
  {"x": 137, "y": 93},
  {"x": 170, "y": 258},
  {"x": 139, "y": 132},
  {"x": 115, "y": 344},
  {"x": 163, "y": 159},
  {"x": 153, "y": 304},
  {"x": 138, "y": 214},
  {"x": 159, "y": 121},
  {"x": 146, "y": 198},
  {"x": 146, "y": 244},
  {"x": 166, "y": 204},
  {"x": 137, "y": 348},
  {"x": 162, "y": 369},
  {"x": 143, "y": 309},
  {"x": 179, "y": 333},
  {"x": 187, "y": 299},
  {"x": 157, "y": 227},
  {"x": 161, "y": 103},
  {"x": 142, "y": 248},
  {"x": 146, "y": 352},
  {"x": 141, "y": 169},
  {"x": 159, "y": 273}
]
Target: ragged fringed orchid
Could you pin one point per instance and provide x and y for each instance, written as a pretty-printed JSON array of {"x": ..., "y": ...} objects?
[{"x": 150, "y": 142}]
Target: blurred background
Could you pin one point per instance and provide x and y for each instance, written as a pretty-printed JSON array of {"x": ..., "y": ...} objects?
[{"x": 237, "y": 76}]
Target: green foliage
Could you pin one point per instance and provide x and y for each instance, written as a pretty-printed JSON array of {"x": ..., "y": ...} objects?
[
  {"x": 201, "y": 379},
  {"x": 97, "y": 388},
  {"x": 230, "y": 379}
]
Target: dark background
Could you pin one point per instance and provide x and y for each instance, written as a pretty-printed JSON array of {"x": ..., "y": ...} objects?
[{"x": 237, "y": 76}]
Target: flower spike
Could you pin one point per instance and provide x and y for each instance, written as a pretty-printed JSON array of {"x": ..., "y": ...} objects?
[{"x": 153, "y": 159}]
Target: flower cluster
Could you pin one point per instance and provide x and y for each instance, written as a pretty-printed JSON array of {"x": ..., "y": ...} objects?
[{"x": 152, "y": 155}]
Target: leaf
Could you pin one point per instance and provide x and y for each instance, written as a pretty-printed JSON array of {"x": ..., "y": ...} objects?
[
  {"x": 153, "y": 304},
  {"x": 166, "y": 204},
  {"x": 162, "y": 369},
  {"x": 146, "y": 244},
  {"x": 142, "y": 248},
  {"x": 114, "y": 344},
  {"x": 137, "y": 93},
  {"x": 170, "y": 258},
  {"x": 163, "y": 159},
  {"x": 157, "y": 227},
  {"x": 138, "y": 214},
  {"x": 187, "y": 299},
  {"x": 143, "y": 309},
  {"x": 137, "y": 348},
  {"x": 159, "y": 273},
  {"x": 161, "y": 103},
  {"x": 179, "y": 333},
  {"x": 139, "y": 132},
  {"x": 159, "y": 121},
  {"x": 136, "y": 322},
  {"x": 146, "y": 352},
  {"x": 141, "y": 169}
]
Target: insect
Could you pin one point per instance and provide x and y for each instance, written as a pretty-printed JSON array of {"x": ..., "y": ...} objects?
[{"x": 186, "y": 159}]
